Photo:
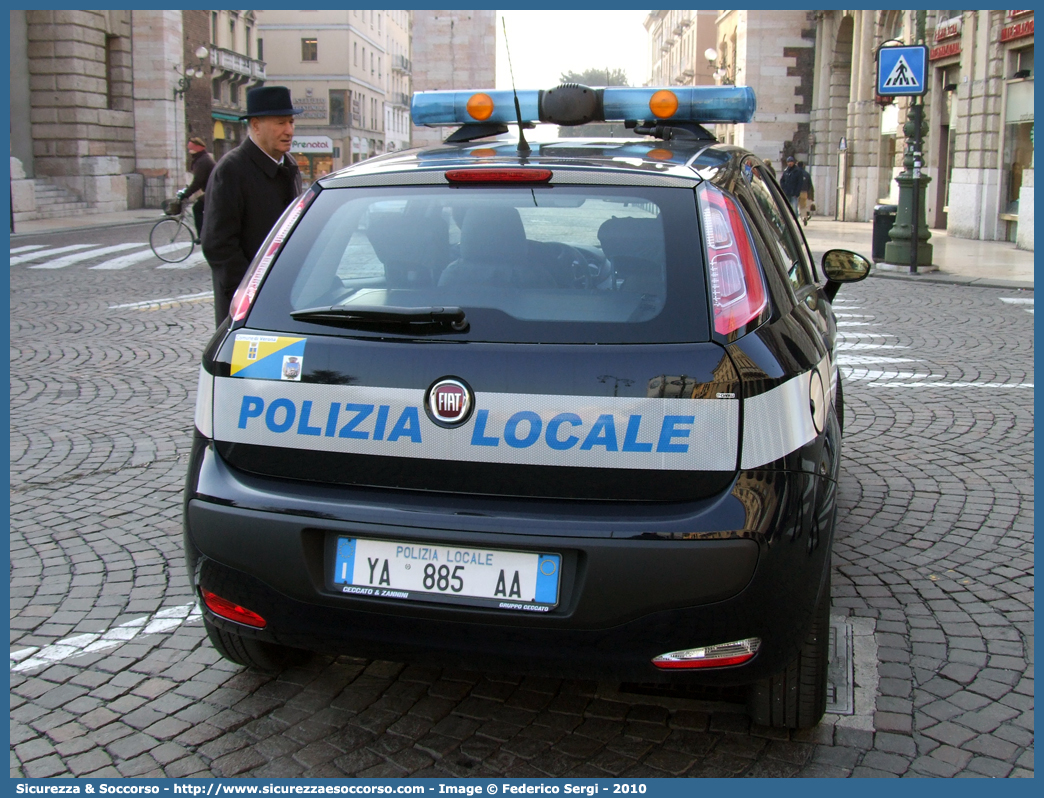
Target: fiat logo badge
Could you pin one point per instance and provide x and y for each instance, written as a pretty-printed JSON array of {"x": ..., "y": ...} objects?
[{"x": 449, "y": 402}]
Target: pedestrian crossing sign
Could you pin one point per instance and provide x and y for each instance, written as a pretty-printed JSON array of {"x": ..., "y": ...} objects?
[{"x": 901, "y": 71}]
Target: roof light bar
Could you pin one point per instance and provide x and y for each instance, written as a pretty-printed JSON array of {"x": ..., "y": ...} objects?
[
  {"x": 698, "y": 104},
  {"x": 719, "y": 656},
  {"x": 459, "y": 107}
]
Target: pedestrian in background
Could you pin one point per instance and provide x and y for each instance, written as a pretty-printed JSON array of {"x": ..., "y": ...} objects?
[
  {"x": 249, "y": 190},
  {"x": 791, "y": 181},
  {"x": 806, "y": 200},
  {"x": 202, "y": 166}
]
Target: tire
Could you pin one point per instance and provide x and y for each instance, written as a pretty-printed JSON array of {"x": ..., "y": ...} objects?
[
  {"x": 796, "y": 697},
  {"x": 171, "y": 240},
  {"x": 256, "y": 654}
]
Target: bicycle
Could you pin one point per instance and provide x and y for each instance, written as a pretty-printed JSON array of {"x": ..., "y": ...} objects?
[{"x": 172, "y": 238}]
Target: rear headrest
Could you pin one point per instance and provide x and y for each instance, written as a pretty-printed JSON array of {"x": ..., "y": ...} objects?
[
  {"x": 632, "y": 238},
  {"x": 493, "y": 232},
  {"x": 411, "y": 238}
]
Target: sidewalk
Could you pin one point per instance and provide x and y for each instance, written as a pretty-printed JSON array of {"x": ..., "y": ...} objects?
[
  {"x": 989, "y": 264},
  {"x": 91, "y": 221}
]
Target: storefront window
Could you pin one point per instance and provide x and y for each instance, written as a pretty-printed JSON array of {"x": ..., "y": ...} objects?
[
  {"x": 1018, "y": 130},
  {"x": 338, "y": 105},
  {"x": 313, "y": 166}
]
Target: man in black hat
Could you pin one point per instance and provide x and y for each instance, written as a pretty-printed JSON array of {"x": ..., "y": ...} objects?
[{"x": 248, "y": 191}]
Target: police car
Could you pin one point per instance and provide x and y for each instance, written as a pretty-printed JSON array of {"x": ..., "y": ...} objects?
[{"x": 568, "y": 407}]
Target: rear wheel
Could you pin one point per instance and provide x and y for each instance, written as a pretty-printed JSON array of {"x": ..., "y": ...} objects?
[
  {"x": 796, "y": 697},
  {"x": 256, "y": 654}
]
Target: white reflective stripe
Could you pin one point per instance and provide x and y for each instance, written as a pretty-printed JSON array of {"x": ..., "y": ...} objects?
[
  {"x": 531, "y": 429},
  {"x": 205, "y": 403},
  {"x": 779, "y": 421}
]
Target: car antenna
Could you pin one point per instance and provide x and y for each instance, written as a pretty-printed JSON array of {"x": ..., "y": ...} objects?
[{"x": 523, "y": 145}]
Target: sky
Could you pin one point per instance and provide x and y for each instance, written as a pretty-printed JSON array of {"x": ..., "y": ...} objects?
[{"x": 544, "y": 44}]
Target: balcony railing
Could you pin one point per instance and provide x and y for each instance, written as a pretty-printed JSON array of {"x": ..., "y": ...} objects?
[
  {"x": 399, "y": 98},
  {"x": 401, "y": 63},
  {"x": 237, "y": 63}
]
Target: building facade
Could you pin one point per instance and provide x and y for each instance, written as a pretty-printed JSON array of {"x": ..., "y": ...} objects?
[
  {"x": 451, "y": 50},
  {"x": 978, "y": 150},
  {"x": 233, "y": 67},
  {"x": 350, "y": 72},
  {"x": 95, "y": 125},
  {"x": 773, "y": 52},
  {"x": 103, "y": 103},
  {"x": 770, "y": 51},
  {"x": 677, "y": 43}
]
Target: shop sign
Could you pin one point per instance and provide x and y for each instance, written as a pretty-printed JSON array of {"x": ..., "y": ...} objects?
[
  {"x": 944, "y": 51},
  {"x": 312, "y": 144},
  {"x": 948, "y": 28},
  {"x": 1019, "y": 30}
]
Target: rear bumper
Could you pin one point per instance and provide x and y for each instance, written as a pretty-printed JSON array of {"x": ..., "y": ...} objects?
[{"x": 633, "y": 586}]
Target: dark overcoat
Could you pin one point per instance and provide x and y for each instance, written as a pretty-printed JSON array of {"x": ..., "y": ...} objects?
[{"x": 246, "y": 195}]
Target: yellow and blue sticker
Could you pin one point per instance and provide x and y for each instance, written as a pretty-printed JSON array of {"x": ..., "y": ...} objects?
[{"x": 268, "y": 357}]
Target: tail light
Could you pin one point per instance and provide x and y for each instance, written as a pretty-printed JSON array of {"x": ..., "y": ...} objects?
[
  {"x": 737, "y": 286},
  {"x": 247, "y": 291},
  {"x": 719, "y": 656},
  {"x": 232, "y": 611}
]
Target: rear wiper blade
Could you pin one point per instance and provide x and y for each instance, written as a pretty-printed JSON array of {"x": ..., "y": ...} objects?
[{"x": 384, "y": 314}]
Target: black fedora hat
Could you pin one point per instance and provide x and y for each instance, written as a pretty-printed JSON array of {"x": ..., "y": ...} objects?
[{"x": 269, "y": 101}]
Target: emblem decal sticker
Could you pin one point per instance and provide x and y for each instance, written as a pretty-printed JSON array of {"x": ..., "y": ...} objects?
[{"x": 268, "y": 357}]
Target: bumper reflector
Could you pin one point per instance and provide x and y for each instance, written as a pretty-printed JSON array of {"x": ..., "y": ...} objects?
[
  {"x": 719, "y": 656},
  {"x": 232, "y": 611}
]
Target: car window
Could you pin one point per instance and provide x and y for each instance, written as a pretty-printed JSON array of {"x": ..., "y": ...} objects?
[
  {"x": 778, "y": 229},
  {"x": 562, "y": 255}
]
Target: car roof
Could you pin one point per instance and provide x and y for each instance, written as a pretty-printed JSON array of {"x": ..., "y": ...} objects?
[{"x": 675, "y": 162}]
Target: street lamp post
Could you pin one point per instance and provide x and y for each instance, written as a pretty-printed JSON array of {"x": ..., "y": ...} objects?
[
  {"x": 190, "y": 72},
  {"x": 909, "y": 236}
]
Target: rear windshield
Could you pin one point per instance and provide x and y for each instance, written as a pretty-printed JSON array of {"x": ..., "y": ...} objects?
[{"x": 561, "y": 264}]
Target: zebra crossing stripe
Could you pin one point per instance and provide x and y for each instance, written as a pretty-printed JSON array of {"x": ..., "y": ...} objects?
[
  {"x": 844, "y": 346},
  {"x": 193, "y": 260},
  {"x": 127, "y": 260},
  {"x": 866, "y": 360},
  {"x": 29, "y": 248},
  {"x": 45, "y": 253},
  {"x": 68, "y": 260}
]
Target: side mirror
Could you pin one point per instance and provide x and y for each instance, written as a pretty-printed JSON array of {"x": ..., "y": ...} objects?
[{"x": 841, "y": 266}]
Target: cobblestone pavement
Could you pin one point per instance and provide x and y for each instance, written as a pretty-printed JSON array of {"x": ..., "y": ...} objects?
[{"x": 111, "y": 674}]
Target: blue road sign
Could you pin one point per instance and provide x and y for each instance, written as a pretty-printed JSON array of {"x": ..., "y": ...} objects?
[{"x": 901, "y": 71}]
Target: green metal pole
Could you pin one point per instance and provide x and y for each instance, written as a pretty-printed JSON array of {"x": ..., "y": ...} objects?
[{"x": 908, "y": 244}]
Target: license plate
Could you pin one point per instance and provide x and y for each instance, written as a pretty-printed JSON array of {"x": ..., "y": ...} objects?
[{"x": 508, "y": 580}]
